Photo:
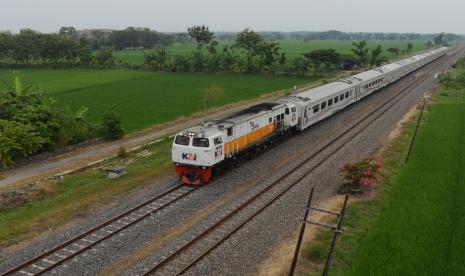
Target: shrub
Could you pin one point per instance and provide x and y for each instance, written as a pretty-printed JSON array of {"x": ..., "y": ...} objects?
[
  {"x": 361, "y": 174},
  {"x": 122, "y": 152},
  {"x": 112, "y": 126}
]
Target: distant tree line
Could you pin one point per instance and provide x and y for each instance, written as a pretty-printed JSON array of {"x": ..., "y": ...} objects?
[
  {"x": 248, "y": 51},
  {"x": 29, "y": 47}
]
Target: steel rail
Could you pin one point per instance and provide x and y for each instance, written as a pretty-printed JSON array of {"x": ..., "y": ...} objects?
[{"x": 21, "y": 268}]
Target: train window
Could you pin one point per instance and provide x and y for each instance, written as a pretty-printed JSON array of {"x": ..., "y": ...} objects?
[
  {"x": 182, "y": 140},
  {"x": 200, "y": 142},
  {"x": 330, "y": 102},
  {"x": 282, "y": 116},
  {"x": 341, "y": 97},
  {"x": 336, "y": 99},
  {"x": 293, "y": 109},
  {"x": 347, "y": 94},
  {"x": 350, "y": 94},
  {"x": 217, "y": 141},
  {"x": 323, "y": 105},
  {"x": 316, "y": 108},
  {"x": 287, "y": 111},
  {"x": 229, "y": 131},
  {"x": 270, "y": 120}
]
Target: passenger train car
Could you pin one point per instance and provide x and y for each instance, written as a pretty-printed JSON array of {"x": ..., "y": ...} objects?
[{"x": 197, "y": 151}]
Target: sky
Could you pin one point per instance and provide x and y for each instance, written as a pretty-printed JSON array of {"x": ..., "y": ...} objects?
[{"x": 235, "y": 15}]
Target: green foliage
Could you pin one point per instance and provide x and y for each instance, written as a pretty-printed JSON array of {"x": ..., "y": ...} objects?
[
  {"x": 30, "y": 47},
  {"x": 323, "y": 60},
  {"x": 394, "y": 51},
  {"x": 18, "y": 140},
  {"x": 156, "y": 59},
  {"x": 112, "y": 126},
  {"x": 258, "y": 51},
  {"x": 376, "y": 58},
  {"x": 105, "y": 57},
  {"x": 31, "y": 122},
  {"x": 138, "y": 37},
  {"x": 360, "y": 52}
]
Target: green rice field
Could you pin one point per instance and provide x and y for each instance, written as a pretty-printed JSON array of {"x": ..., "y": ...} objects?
[
  {"x": 144, "y": 98},
  {"x": 292, "y": 48},
  {"x": 421, "y": 226}
]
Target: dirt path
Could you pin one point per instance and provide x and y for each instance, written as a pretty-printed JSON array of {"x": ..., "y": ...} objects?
[{"x": 68, "y": 161}]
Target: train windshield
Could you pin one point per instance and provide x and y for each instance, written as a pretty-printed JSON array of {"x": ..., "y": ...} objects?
[
  {"x": 201, "y": 142},
  {"x": 182, "y": 140}
]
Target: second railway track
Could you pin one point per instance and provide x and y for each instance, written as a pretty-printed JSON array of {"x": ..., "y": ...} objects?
[{"x": 80, "y": 244}]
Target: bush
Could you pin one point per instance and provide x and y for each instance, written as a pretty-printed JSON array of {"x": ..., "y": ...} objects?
[
  {"x": 105, "y": 57},
  {"x": 112, "y": 126},
  {"x": 122, "y": 152}
]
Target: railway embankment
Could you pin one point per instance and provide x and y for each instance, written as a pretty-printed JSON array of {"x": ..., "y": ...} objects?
[{"x": 411, "y": 223}]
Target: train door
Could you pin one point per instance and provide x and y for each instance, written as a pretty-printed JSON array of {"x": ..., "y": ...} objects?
[{"x": 357, "y": 92}]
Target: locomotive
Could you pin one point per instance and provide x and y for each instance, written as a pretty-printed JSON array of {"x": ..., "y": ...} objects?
[{"x": 199, "y": 150}]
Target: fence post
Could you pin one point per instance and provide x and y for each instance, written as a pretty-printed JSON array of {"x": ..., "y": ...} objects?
[
  {"x": 337, "y": 231},
  {"x": 301, "y": 234},
  {"x": 416, "y": 130}
]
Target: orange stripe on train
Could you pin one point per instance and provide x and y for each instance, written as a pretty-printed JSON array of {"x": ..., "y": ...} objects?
[{"x": 250, "y": 138}]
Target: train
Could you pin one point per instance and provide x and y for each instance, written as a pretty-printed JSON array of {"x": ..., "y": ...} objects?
[{"x": 198, "y": 152}]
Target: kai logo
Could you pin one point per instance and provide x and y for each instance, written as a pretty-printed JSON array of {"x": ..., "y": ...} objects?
[
  {"x": 189, "y": 156},
  {"x": 254, "y": 125}
]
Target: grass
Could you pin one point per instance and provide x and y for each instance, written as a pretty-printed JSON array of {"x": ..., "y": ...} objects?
[
  {"x": 79, "y": 193},
  {"x": 146, "y": 98},
  {"x": 416, "y": 223},
  {"x": 292, "y": 48}
]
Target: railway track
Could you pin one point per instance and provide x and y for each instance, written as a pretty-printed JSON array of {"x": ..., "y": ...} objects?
[
  {"x": 202, "y": 243},
  {"x": 80, "y": 244}
]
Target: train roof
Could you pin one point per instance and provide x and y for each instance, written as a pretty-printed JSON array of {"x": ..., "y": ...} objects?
[
  {"x": 368, "y": 75},
  {"x": 324, "y": 91},
  {"x": 211, "y": 128},
  {"x": 388, "y": 67},
  {"x": 248, "y": 112}
]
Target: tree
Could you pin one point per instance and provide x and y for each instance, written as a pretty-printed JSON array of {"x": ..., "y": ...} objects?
[
  {"x": 156, "y": 59},
  {"x": 212, "y": 93},
  {"x": 323, "y": 59},
  {"x": 409, "y": 47},
  {"x": 300, "y": 66},
  {"x": 376, "y": 58},
  {"x": 394, "y": 51},
  {"x": 202, "y": 36},
  {"x": 105, "y": 56},
  {"x": 18, "y": 140},
  {"x": 361, "y": 52},
  {"x": 429, "y": 44},
  {"x": 439, "y": 40},
  {"x": 112, "y": 126},
  {"x": 251, "y": 42},
  {"x": 68, "y": 31},
  {"x": 282, "y": 59},
  {"x": 259, "y": 52}
]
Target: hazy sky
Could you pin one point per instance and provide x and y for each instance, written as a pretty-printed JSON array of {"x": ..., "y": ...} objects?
[{"x": 234, "y": 15}]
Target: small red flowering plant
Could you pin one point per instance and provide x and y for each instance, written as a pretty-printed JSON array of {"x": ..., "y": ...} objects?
[{"x": 362, "y": 174}]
